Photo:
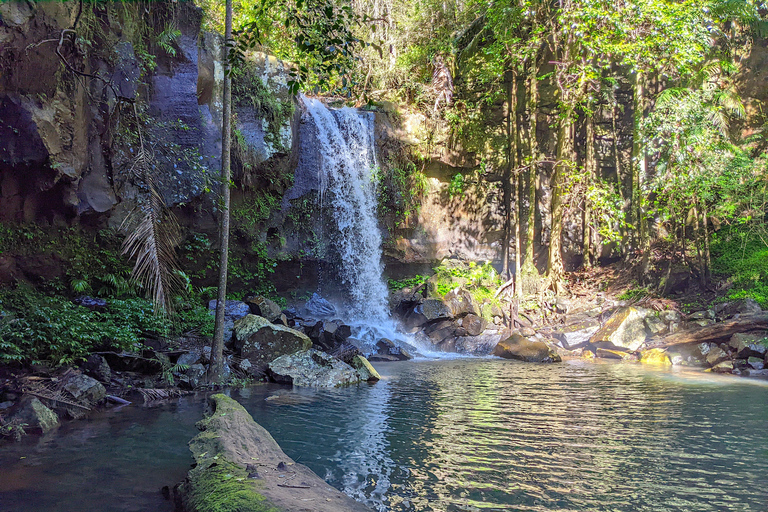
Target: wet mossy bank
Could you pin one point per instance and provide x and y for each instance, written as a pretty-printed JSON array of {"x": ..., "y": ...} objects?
[{"x": 240, "y": 468}]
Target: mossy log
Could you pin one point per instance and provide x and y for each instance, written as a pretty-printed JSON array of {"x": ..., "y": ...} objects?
[
  {"x": 240, "y": 468},
  {"x": 715, "y": 333}
]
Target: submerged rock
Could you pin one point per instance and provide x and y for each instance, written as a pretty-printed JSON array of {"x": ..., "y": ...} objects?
[
  {"x": 261, "y": 341},
  {"x": 312, "y": 368},
  {"x": 522, "y": 349}
]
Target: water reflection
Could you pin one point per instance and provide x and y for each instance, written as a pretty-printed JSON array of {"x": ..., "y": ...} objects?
[
  {"x": 497, "y": 435},
  {"x": 444, "y": 436}
]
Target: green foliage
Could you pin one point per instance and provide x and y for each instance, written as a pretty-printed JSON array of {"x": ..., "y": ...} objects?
[
  {"x": 40, "y": 328},
  {"x": 742, "y": 256},
  {"x": 400, "y": 189},
  {"x": 249, "y": 90},
  {"x": 633, "y": 294},
  {"x": 481, "y": 281},
  {"x": 411, "y": 282},
  {"x": 318, "y": 36},
  {"x": 457, "y": 186}
]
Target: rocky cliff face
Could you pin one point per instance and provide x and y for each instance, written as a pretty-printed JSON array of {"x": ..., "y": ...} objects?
[{"x": 82, "y": 87}]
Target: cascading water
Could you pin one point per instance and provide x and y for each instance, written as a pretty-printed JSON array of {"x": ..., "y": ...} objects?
[{"x": 348, "y": 190}]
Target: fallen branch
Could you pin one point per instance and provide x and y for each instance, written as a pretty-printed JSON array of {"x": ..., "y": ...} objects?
[
  {"x": 715, "y": 333},
  {"x": 503, "y": 287}
]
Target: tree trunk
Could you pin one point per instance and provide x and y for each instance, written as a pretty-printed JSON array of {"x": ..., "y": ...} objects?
[
  {"x": 697, "y": 241},
  {"x": 511, "y": 132},
  {"x": 625, "y": 205},
  {"x": 555, "y": 267},
  {"x": 707, "y": 256},
  {"x": 590, "y": 170},
  {"x": 533, "y": 100},
  {"x": 217, "y": 350},
  {"x": 639, "y": 171}
]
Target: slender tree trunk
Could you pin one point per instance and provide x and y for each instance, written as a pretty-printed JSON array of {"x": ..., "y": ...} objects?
[
  {"x": 697, "y": 239},
  {"x": 507, "y": 185},
  {"x": 707, "y": 256},
  {"x": 626, "y": 205},
  {"x": 555, "y": 267},
  {"x": 639, "y": 171},
  {"x": 217, "y": 350},
  {"x": 590, "y": 168},
  {"x": 533, "y": 146}
]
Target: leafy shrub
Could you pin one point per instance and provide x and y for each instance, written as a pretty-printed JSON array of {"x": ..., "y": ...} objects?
[
  {"x": 742, "y": 257},
  {"x": 411, "y": 282},
  {"x": 38, "y": 328}
]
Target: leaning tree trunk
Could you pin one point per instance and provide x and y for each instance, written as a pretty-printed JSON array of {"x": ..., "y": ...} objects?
[
  {"x": 511, "y": 133},
  {"x": 217, "y": 350}
]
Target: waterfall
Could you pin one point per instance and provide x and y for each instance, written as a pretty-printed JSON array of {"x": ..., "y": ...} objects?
[{"x": 348, "y": 191}]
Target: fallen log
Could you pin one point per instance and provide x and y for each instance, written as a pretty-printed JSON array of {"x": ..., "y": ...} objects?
[{"x": 715, "y": 333}]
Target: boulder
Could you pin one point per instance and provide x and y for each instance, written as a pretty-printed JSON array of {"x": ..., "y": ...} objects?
[
  {"x": 461, "y": 303},
  {"x": 606, "y": 353},
  {"x": 365, "y": 369},
  {"x": 390, "y": 352},
  {"x": 756, "y": 373},
  {"x": 312, "y": 368},
  {"x": 233, "y": 311},
  {"x": 97, "y": 367},
  {"x": 740, "y": 307},
  {"x": 85, "y": 389},
  {"x": 195, "y": 375},
  {"x": 655, "y": 356},
  {"x": 473, "y": 324},
  {"x": 35, "y": 415},
  {"x": 756, "y": 363},
  {"x": 261, "y": 341},
  {"x": 670, "y": 316},
  {"x": 655, "y": 325},
  {"x": 480, "y": 345},
  {"x": 625, "y": 328},
  {"x": 723, "y": 367},
  {"x": 263, "y": 307},
  {"x": 92, "y": 303},
  {"x": 319, "y": 307},
  {"x": 433, "y": 309},
  {"x": 189, "y": 358},
  {"x": 749, "y": 344},
  {"x": 716, "y": 355},
  {"x": 522, "y": 349},
  {"x": 702, "y": 315}
]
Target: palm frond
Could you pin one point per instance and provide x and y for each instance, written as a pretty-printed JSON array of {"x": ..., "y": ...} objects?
[{"x": 152, "y": 235}]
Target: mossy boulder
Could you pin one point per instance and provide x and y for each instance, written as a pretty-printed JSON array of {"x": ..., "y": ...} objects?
[
  {"x": 522, "y": 349},
  {"x": 261, "y": 342},
  {"x": 365, "y": 369},
  {"x": 240, "y": 468},
  {"x": 35, "y": 415}
]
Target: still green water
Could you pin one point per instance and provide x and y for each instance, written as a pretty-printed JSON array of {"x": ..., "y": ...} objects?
[{"x": 448, "y": 435}]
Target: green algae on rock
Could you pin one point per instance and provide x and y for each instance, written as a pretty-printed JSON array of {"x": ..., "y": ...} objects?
[{"x": 240, "y": 468}]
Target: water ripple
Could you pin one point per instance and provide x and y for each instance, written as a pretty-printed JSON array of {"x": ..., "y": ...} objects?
[{"x": 471, "y": 435}]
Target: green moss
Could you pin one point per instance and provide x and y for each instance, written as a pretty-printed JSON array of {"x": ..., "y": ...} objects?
[
  {"x": 223, "y": 486},
  {"x": 249, "y": 90}
]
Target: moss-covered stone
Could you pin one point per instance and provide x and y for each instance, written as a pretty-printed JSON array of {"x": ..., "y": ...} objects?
[
  {"x": 365, "y": 369},
  {"x": 240, "y": 468},
  {"x": 224, "y": 487}
]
